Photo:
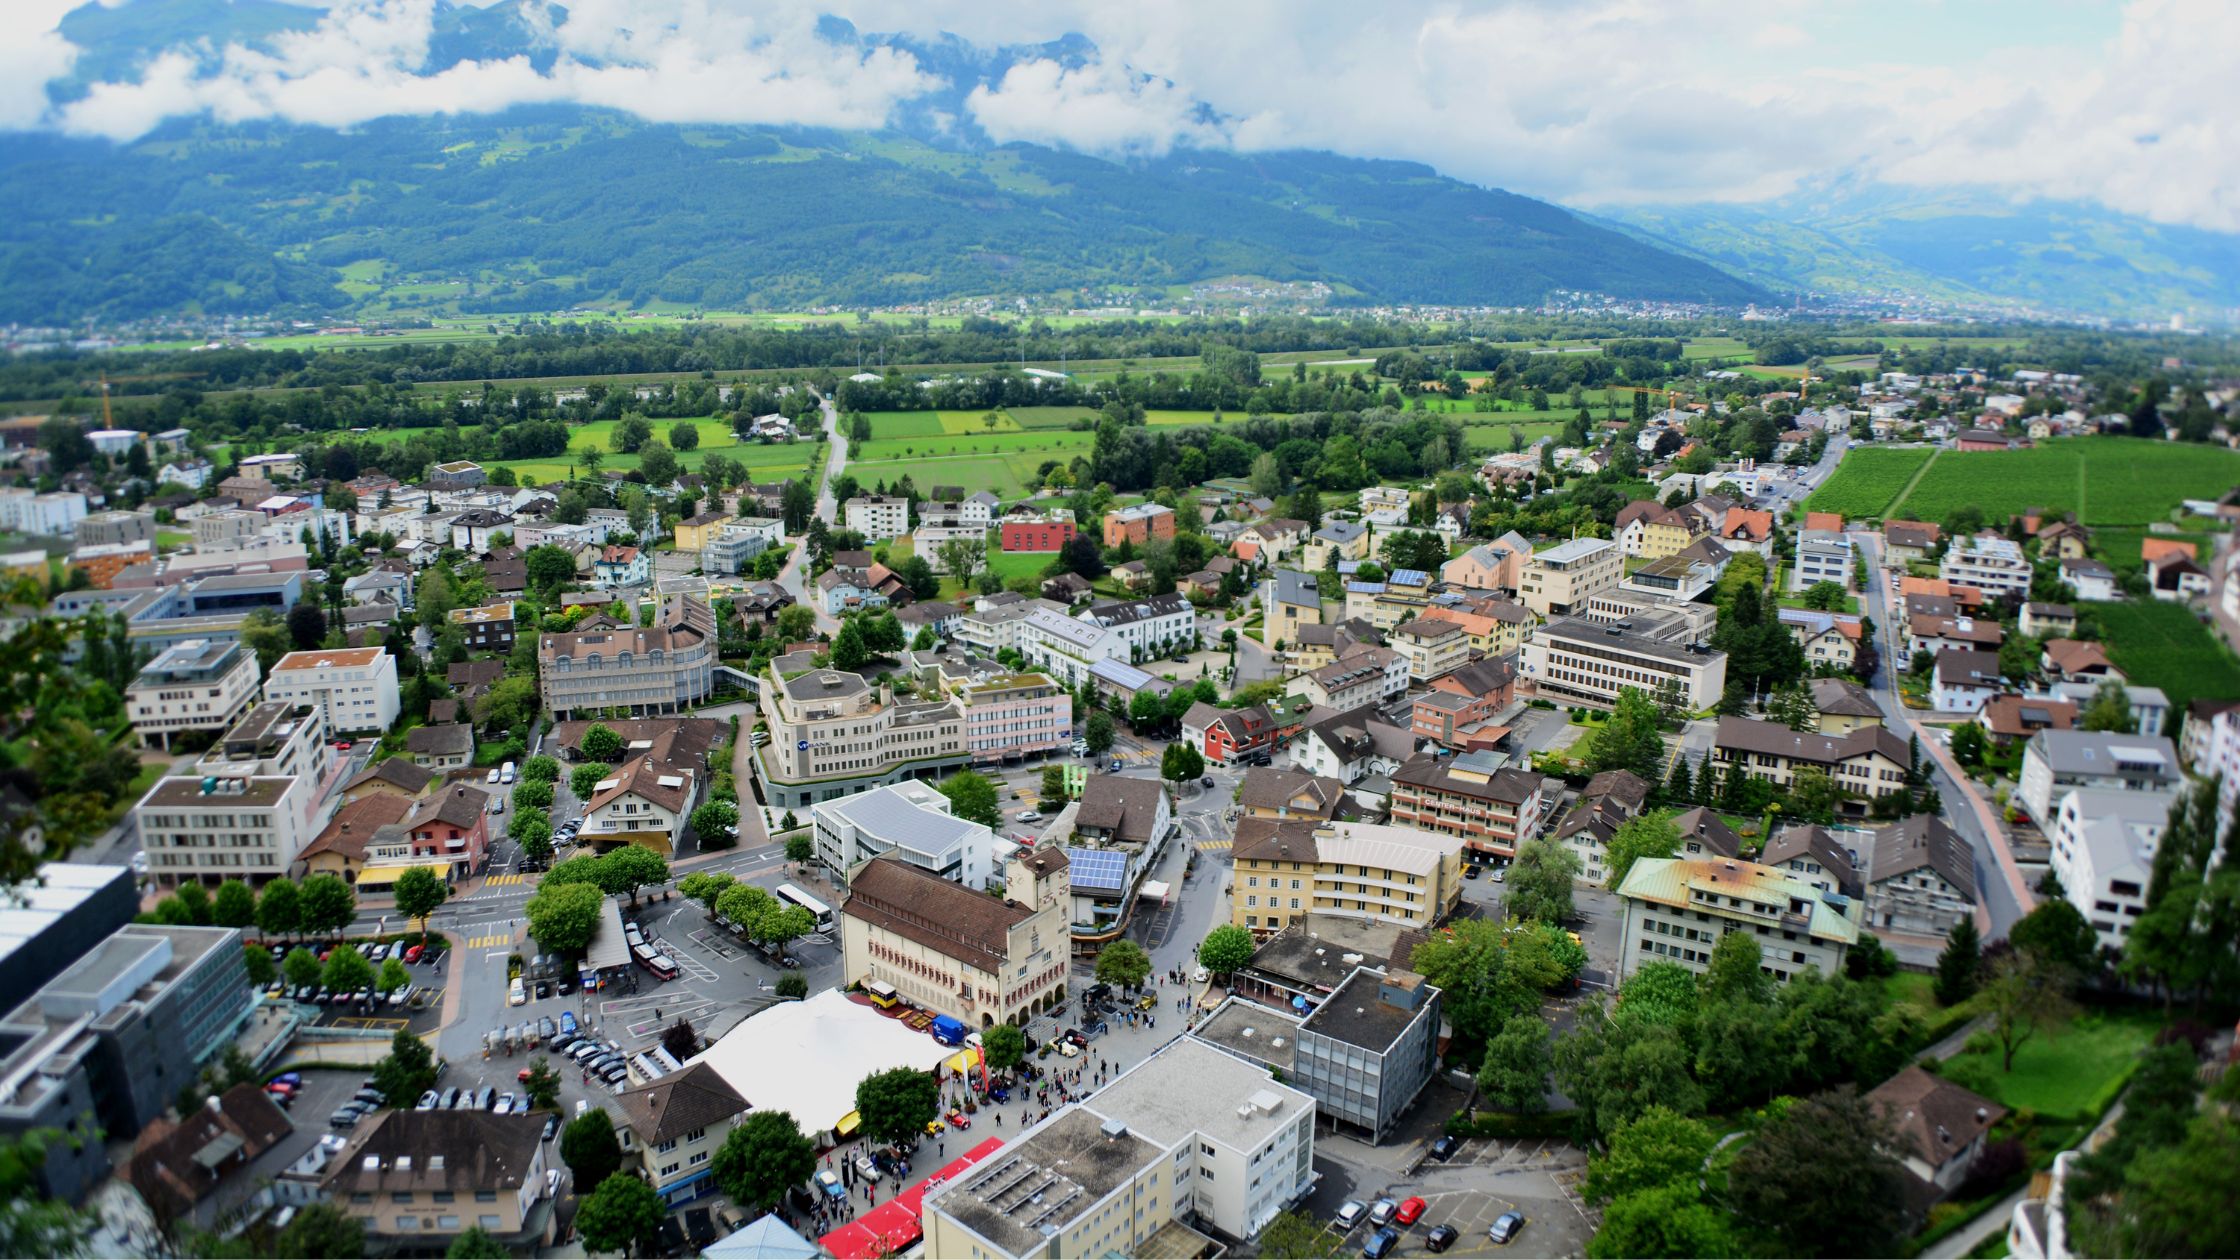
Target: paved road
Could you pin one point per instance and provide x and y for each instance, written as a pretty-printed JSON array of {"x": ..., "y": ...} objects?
[
  {"x": 2006, "y": 895},
  {"x": 794, "y": 577}
]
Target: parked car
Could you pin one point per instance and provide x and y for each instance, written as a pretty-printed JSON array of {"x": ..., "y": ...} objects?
[
  {"x": 1380, "y": 1212},
  {"x": 960, "y": 1120},
  {"x": 1411, "y": 1211},
  {"x": 1506, "y": 1228},
  {"x": 429, "y": 1101},
  {"x": 1381, "y": 1244},
  {"x": 1439, "y": 1238},
  {"x": 567, "y": 1023},
  {"x": 504, "y": 1107},
  {"x": 450, "y": 1100},
  {"x": 551, "y": 1128},
  {"x": 343, "y": 1119},
  {"x": 829, "y": 1182},
  {"x": 412, "y": 954},
  {"x": 1444, "y": 1149},
  {"x": 1349, "y": 1214},
  {"x": 867, "y": 1168},
  {"x": 1471, "y": 871}
]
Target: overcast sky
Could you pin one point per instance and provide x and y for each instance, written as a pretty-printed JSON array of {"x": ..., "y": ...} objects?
[{"x": 1587, "y": 102}]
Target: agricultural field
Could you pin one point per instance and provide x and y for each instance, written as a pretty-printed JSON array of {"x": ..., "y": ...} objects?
[
  {"x": 2165, "y": 645},
  {"x": 1869, "y": 480},
  {"x": 2119, "y": 546},
  {"x": 1060, "y": 444},
  {"x": 598, "y": 435},
  {"x": 2105, "y": 480},
  {"x": 1492, "y": 436},
  {"x": 1003, "y": 475}
]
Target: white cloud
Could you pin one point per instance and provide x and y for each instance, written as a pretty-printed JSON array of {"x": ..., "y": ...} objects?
[{"x": 1590, "y": 102}]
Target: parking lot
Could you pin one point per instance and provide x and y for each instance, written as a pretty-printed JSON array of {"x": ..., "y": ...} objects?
[{"x": 1485, "y": 1178}]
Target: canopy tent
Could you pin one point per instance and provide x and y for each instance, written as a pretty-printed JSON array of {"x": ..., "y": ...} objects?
[{"x": 896, "y": 1225}]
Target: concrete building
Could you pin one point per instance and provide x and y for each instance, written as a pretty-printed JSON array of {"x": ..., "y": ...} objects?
[
  {"x": 1823, "y": 555},
  {"x": 1920, "y": 878},
  {"x": 1574, "y": 660},
  {"x": 1472, "y": 796},
  {"x": 1066, "y": 648},
  {"x": 832, "y": 734},
  {"x": 53, "y": 921},
  {"x": 415, "y": 1180},
  {"x": 198, "y": 685},
  {"x": 675, "y": 1125},
  {"x": 115, "y": 529},
  {"x": 104, "y": 1047},
  {"x": 1148, "y": 627},
  {"x": 910, "y": 821},
  {"x": 2055, "y": 763},
  {"x": 878, "y": 517},
  {"x": 1869, "y": 763},
  {"x": 2104, "y": 844},
  {"x": 1431, "y": 647},
  {"x": 1557, "y": 582},
  {"x": 1190, "y": 1133},
  {"x": 1989, "y": 563},
  {"x": 958, "y": 951},
  {"x": 731, "y": 546},
  {"x": 1010, "y": 716},
  {"x": 1363, "y": 1053},
  {"x": 25, "y": 511},
  {"x": 1046, "y": 530},
  {"x": 489, "y": 628},
  {"x": 1287, "y": 868},
  {"x": 354, "y": 690},
  {"x": 1139, "y": 524},
  {"x": 1676, "y": 909},
  {"x": 655, "y": 669},
  {"x": 1288, "y": 601},
  {"x": 249, "y": 806}
]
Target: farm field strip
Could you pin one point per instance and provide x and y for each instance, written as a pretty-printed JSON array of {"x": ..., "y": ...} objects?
[
  {"x": 2165, "y": 645},
  {"x": 2114, "y": 481},
  {"x": 1870, "y": 479}
]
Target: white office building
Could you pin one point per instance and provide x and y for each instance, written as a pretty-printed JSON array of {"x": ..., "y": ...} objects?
[
  {"x": 2103, "y": 850},
  {"x": 354, "y": 689},
  {"x": 910, "y": 820},
  {"x": 198, "y": 685}
]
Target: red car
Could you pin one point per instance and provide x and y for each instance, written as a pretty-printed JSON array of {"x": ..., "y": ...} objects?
[
  {"x": 1411, "y": 1211},
  {"x": 412, "y": 955},
  {"x": 959, "y": 1120},
  {"x": 522, "y": 1076}
]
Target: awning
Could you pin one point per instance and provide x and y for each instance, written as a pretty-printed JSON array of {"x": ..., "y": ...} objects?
[
  {"x": 385, "y": 873},
  {"x": 963, "y": 1060},
  {"x": 848, "y": 1124},
  {"x": 1156, "y": 890},
  {"x": 894, "y": 1226}
]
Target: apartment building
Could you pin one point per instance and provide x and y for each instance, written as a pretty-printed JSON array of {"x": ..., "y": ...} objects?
[
  {"x": 675, "y": 1125},
  {"x": 878, "y": 517},
  {"x": 488, "y": 628},
  {"x": 1574, "y": 660},
  {"x": 646, "y": 802},
  {"x": 648, "y": 670},
  {"x": 1149, "y": 627},
  {"x": 1920, "y": 879},
  {"x": 1067, "y": 648},
  {"x": 1472, "y": 797},
  {"x": 1823, "y": 555},
  {"x": 908, "y": 821},
  {"x": 1989, "y": 563},
  {"x": 2055, "y": 763},
  {"x": 56, "y": 513},
  {"x": 2104, "y": 844},
  {"x": 416, "y": 1180},
  {"x": 1867, "y": 763},
  {"x": 1676, "y": 909},
  {"x": 832, "y": 734},
  {"x": 212, "y": 829},
  {"x": 1286, "y": 868},
  {"x": 1139, "y": 524},
  {"x": 1009, "y": 716},
  {"x": 1494, "y": 566},
  {"x": 729, "y": 548},
  {"x": 115, "y": 529},
  {"x": 1364, "y": 677},
  {"x": 1431, "y": 647},
  {"x": 1458, "y": 708},
  {"x": 1289, "y": 601},
  {"x": 353, "y": 689},
  {"x": 955, "y": 950},
  {"x": 1495, "y": 627},
  {"x": 1189, "y": 1134},
  {"x": 1047, "y": 530},
  {"x": 1334, "y": 543},
  {"x": 1557, "y": 582},
  {"x": 198, "y": 685}
]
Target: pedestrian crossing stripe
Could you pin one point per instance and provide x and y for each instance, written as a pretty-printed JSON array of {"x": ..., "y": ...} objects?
[
  {"x": 487, "y": 942},
  {"x": 1214, "y": 846},
  {"x": 496, "y": 881}
]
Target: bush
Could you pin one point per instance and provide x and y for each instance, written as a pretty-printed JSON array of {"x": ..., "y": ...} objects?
[{"x": 1500, "y": 1124}]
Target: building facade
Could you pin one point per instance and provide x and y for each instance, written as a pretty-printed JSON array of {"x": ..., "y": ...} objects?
[
  {"x": 910, "y": 821},
  {"x": 1557, "y": 582},
  {"x": 353, "y": 689},
  {"x": 832, "y": 734},
  {"x": 199, "y": 685},
  {"x": 1572, "y": 659},
  {"x": 643, "y": 671},
  {"x": 1676, "y": 909},
  {"x": 1473, "y": 797},
  {"x": 1288, "y": 868},
  {"x": 957, "y": 951}
]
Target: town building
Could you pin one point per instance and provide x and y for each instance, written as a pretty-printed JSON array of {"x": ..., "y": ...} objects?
[
  {"x": 1676, "y": 909},
  {"x": 1049, "y": 529},
  {"x": 1823, "y": 555},
  {"x": 1334, "y": 543},
  {"x": 1150, "y": 627},
  {"x": 1907, "y": 543},
  {"x": 353, "y": 689},
  {"x": 1355, "y": 747},
  {"x": 1364, "y": 1053},
  {"x": 2103, "y": 846},
  {"x": 1963, "y": 682},
  {"x": 618, "y": 567},
  {"x": 730, "y": 547},
  {"x": 693, "y": 532},
  {"x": 1008, "y": 716},
  {"x": 488, "y": 628},
  {"x": 1289, "y": 601},
  {"x": 106, "y": 1045},
  {"x": 1869, "y": 763},
  {"x": 247, "y": 807},
  {"x": 1229, "y": 736},
  {"x": 832, "y": 734},
  {"x": 1189, "y": 1134},
  {"x": 1364, "y": 677},
  {"x": 114, "y": 529},
  {"x": 1920, "y": 878},
  {"x": 2092, "y": 580},
  {"x": 191, "y": 1170},
  {"x": 55, "y": 513},
  {"x": 649, "y": 799},
  {"x": 416, "y": 1180},
  {"x": 674, "y": 1125},
  {"x": 1471, "y": 796},
  {"x": 2057, "y": 762},
  {"x": 878, "y": 517},
  {"x": 444, "y": 746},
  {"x": 1431, "y": 647},
  {"x": 1941, "y": 1128},
  {"x": 1575, "y": 660},
  {"x": 661, "y": 668},
  {"x": 1138, "y": 524},
  {"x": 196, "y": 686},
  {"x": 1067, "y": 648},
  {"x": 1815, "y": 855},
  {"x": 1557, "y": 582},
  {"x": 1843, "y": 705},
  {"x": 1459, "y": 709},
  {"x": 1988, "y": 562},
  {"x": 1286, "y": 868},
  {"x": 909, "y": 821},
  {"x": 955, "y": 950},
  {"x": 1494, "y": 566}
]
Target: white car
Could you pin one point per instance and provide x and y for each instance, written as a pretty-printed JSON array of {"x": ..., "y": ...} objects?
[
  {"x": 1030, "y": 815},
  {"x": 1201, "y": 975},
  {"x": 518, "y": 995},
  {"x": 552, "y": 1183}
]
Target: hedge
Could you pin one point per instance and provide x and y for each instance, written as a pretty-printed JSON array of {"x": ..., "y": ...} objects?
[{"x": 1502, "y": 1124}]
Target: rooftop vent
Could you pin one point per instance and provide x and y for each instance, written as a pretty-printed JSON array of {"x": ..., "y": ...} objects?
[{"x": 1113, "y": 1128}]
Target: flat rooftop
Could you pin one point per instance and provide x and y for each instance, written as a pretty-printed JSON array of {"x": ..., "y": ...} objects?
[
  {"x": 1189, "y": 1087},
  {"x": 32, "y": 907},
  {"x": 1046, "y": 1180},
  {"x": 1577, "y": 549},
  {"x": 1357, "y": 1014},
  {"x": 1261, "y": 1033}
]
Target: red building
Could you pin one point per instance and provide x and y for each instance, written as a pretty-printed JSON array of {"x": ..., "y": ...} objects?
[
  {"x": 1037, "y": 533},
  {"x": 1456, "y": 708},
  {"x": 1226, "y": 736},
  {"x": 455, "y": 825}
]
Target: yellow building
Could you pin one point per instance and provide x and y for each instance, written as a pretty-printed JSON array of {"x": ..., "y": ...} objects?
[
  {"x": 696, "y": 533},
  {"x": 1286, "y": 868}
]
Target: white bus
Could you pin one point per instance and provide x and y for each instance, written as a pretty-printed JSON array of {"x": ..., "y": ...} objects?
[{"x": 818, "y": 911}]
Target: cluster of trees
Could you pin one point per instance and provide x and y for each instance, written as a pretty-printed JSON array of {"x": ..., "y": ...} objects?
[
  {"x": 563, "y": 913},
  {"x": 1491, "y": 973},
  {"x": 59, "y": 729},
  {"x": 748, "y": 909}
]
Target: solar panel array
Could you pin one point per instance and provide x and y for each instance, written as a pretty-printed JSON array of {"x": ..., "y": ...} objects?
[{"x": 1098, "y": 868}]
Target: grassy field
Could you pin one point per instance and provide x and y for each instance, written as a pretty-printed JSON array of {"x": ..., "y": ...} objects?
[
  {"x": 1013, "y": 564},
  {"x": 1487, "y": 439},
  {"x": 1868, "y": 480},
  {"x": 2064, "y": 1073},
  {"x": 2106, "y": 481},
  {"x": 1044, "y": 445},
  {"x": 1003, "y": 475},
  {"x": 2120, "y": 545},
  {"x": 598, "y": 435},
  {"x": 2165, "y": 645}
]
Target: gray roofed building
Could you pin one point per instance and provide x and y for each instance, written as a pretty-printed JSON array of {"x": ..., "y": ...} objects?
[
  {"x": 667, "y": 1109},
  {"x": 1814, "y": 854},
  {"x": 1114, "y": 809},
  {"x": 2055, "y": 761},
  {"x": 1920, "y": 877},
  {"x": 1705, "y": 834},
  {"x": 1270, "y": 793}
]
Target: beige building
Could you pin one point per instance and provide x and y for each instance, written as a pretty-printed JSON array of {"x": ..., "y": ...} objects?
[
  {"x": 354, "y": 689},
  {"x": 247, "y": 808},
  {"x": 1558, "y": 581},
  {"x": 674, "y": 1125},
  {"x": 1868, "y": 763},
  {"x": 1676, "y": 909},
  {"x": 198, "y": 685},
  {"x": 832, "y": 734},
  {"x": 1286, "y": 868},
  {"x": 418, "y": 1179},
  {"x": 1431, "y": 647},
  {"x": 1572, "y": 660},
  {"x": 878, "y": 517},
  {"x": 958, "y": 951},
  {"x": 648, "y": 670}
]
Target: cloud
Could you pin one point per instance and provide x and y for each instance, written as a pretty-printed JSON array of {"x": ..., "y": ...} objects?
[{"x": 1589, "y": 102}]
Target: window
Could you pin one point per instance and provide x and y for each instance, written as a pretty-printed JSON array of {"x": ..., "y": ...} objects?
[{"x": 486, "y": 1196}]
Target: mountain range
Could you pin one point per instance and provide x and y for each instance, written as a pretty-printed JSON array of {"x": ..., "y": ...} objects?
[{"x": 544, "y": 207}]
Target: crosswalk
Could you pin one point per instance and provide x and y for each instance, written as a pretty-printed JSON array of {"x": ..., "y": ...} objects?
[
  {"x": 490, "y": 942},
  {"x": 500, "y": 881},
  {"x": 1214, "y": 846}
]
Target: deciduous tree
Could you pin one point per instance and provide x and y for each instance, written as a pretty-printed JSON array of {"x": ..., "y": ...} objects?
[
  {"x": 419, "y": 893},
  {"x": 1518, "y": 1059},
  {"x": 1539, "y": 885},
  {"x": 623, "y": 1214},
  {"x": 1818, "y": 1179},
  {"x": 589, "y": 1147},
  {"x": 763, "y": 1156},
  {"x": 972, "y": 797},
  {"x": 1225, "y": 949},
  {"x": 1123, "y": 963},
  {"x": 895, "y": 1105},
  {"x": 1650, "y": 835}
]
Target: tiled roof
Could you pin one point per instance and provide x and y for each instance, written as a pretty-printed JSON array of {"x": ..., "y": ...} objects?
[
  {"x": 1923, "y": 840},
  {"x": 668, "y": 1108},
  {"x": 946, "y": 917}
]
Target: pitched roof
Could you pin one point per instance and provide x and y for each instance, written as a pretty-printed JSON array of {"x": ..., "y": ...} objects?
[
  {"x": 2077, "y": 656},
  {"x": 670, "y": 1107},
  {"x": 1699, "y": 826},
  {"x": 1750, "y": 524},
  {"x": 1275, "y": 840},
  {"x": 663, "y": 774},
  {"x": 1917, "y": 534},
  {"x": 397, "y": 772},
  {"x": 407, "y": 1152},
  {"x": 462, "y": 806},
  {"x": 354, "y": 824},
  {"x": 1957, "y": 668},
  {"x": 1773, "y": 739},
  {"x": 1842, "y": 697},
  {"x": 1509, "y": 786},
  {"x": 946, "y": 917},
  {"x": 440, "y": 741},
  {"x": 1923, "y": 840},
  {"x": 1303, "y": 794},
  {"x": 2015, "y": 716},
  {"x": 1127, "y": 808},
  {"x": 1620, "y": 789},
  {"x": 1814, "y": 842},
  {"x": 1934, "y": 1118},
  {"x": 175, "y": 1165},
  {"x": 1483, "y": 677}
]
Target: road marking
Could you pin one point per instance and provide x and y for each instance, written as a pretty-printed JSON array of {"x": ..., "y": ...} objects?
[
  {"x": 485, "y": 942},
  {"x": 1214, "y": 846},
  {"x": 498, "y": 881}
]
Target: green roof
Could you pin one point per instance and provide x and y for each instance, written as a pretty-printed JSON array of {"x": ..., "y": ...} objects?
[{"x": 1669, "y": 881}]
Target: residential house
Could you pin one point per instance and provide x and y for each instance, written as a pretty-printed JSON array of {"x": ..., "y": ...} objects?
[
  {"x": 2103, "y": 846},
  {"x": 1823, "y": 553},
  {"x": 675, "y": 1124},
  {"x": 1048, "y": 529},
  {"x": 2077, "y": 660},
  {"x": 1869, "y": 763},
  {"x": 1494, "y": 566},
  {"x": 1909, "y": 542},
  {"x": 1989, "y": 563},
  {"x": 1831, "y": 639},
  {"x": 1920, "y": 878},
  {"x": 2008, "y": 718},
  {"x": 446, "y": 747},
  {"x": 353, "y": 689},
  {"x": 1269, "y": 542},
  {"x": 1676, "y": 909},
  {"x": 1334, "y": 542},
  {"x": 1747, "y": 529},
  {"x": 488, "y": 628},
  {"x": 1354, "y": 746},
  {"x": 2056, "y": 762},
  {"x": 1495, "y": 627},
  {"x": 2091, "y": 580},
  {"x": 416, "y": 1180},
  {"x": 1289, "y": 601},
  {"x": 1367, "y": 675},
  {"x": 844, "y": 590},
  {"x": 341, "y": 847},
  {"x": 2064, "y": 540},
  {"x": 619, "y": 567},
  {"x": 1608, "y": 801},
  {"x": 475, "y": 531},
  {"x": 1431, "y": 647},
  {"x": 179, "y": 1165},
  {"x": 693, "y": 532},
  {"x": 1150, "y": 627},
  {"x": 1472, "y": 796},
  {"x": 2046, "y": 621},
  {"x": 1963, "y": 682},
  {"x": 1939, "y": 633},
  {"x": 1941, "y": 1128},
  {"x": 1458, "y": 709},
  {"x": 1228, "y": 736},
  {"x": 648, "y": 800}
]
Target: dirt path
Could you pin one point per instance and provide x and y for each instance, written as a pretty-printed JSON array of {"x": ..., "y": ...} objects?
[{"x": 1915, "y": 480}]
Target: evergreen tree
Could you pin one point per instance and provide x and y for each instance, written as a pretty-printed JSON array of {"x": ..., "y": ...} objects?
[
  {"x": 1960, "y": 963},
  {"x": 1680, "y": 789}
]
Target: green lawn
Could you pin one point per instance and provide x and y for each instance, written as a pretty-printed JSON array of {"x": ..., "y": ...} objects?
[
  {"x": 1044, "y": 445},
  {"x": 1004, "y": 476},
  {"x": 2119, "y": 545},
  {"x": 2105, "y": 480},
  {"x": 2064, "y": 1073},
  {"x": 598, "y": 435},
  {"x": 1010, "y": 564},
  {"x": 2165, "y": 645}
]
